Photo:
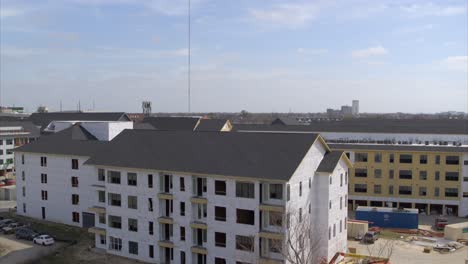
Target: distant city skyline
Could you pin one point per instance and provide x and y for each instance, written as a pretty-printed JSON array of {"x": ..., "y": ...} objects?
[{"x": 260, "y": 56}]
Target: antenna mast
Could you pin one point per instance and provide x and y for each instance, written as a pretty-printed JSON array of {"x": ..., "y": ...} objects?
[{"x": 188, "y": 80}]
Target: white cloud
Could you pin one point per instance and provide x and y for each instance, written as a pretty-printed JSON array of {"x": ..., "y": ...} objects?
[
  {"x": 165, "y": 7},
  {"x": 17, "y": 52},
  {"x": 450, "y": 43},
  {"x": 312, "y": 51},
  {"x": 288, "y": 15},
  {"x": 430, "y": 9},
  {"x": 456, "y": 63},
  {"x": 6, "y": 12},
  {"x": 415, "y": 29},
  {"x": 369, "y": 52},
  {"x": 100, "y": 52}
]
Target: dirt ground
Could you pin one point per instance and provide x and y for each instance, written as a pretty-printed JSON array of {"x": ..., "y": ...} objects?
[
  {"x": 22, "y": 251},
  {"x": 81, "y": 253},
  {"x": 408, "y": 253}
]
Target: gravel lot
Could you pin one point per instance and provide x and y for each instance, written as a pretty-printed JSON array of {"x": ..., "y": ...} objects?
[{"x": 407, "y": 253}]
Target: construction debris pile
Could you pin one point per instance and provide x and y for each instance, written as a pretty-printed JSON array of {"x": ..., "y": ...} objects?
[{"x": 437, "y": 244}]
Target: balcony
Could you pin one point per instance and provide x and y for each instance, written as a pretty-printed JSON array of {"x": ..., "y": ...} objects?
[
  {"x": 166, "y": 208},
  {"x": 272, "y": 208},
  {"x": 166, "y": 196},
  {"x": 165, "y": 184},
  {"x": 199, "y": 200},
  {"x": 265, "y": 260},
  {"x": 198, "y": 225},
  {"x": 166, "y": 232},
  {"x": 272, "y": 221},
  {"x": 199, "y": 187},
  {"x": 271, "y": 248},
  {"x": 273, "y": 194},
  {"x": 199, "y": 250},
  {"x": 199, "y": 237},
  {"x": 97, "y": 209},
  {"x": 165, "y": 220},
  {"x": 97, "y": 231},
  {"x": 271, "y": 235},
  {"x": 165, "y": 244}
]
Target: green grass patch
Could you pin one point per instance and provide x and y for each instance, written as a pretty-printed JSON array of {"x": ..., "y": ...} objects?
[{"x": 388, "y": 234}]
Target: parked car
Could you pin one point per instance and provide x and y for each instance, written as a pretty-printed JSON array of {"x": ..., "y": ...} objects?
[
  {"x": 44, "y": 240},
  {"x": 25, "y": 233},
  {"x": 5, "y": 222},
  {"x": 370, "y": 237},
  {"x": 10, "y": 229}
]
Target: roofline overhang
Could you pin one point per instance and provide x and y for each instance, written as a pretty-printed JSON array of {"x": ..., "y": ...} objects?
[{"x": 240, "y": 178}]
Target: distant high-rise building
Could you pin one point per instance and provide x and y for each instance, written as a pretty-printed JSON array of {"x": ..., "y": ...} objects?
[
  {"x": 347, "y": 111},
  {"x": 355, "y": 107},
  {"x": 146, "y": 105}
]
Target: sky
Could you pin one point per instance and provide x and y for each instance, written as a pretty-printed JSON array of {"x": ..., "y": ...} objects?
[{"x": 255, "y": 55}]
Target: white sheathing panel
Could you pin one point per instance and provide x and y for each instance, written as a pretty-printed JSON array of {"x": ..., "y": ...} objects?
[
  {"x": 106, "y": 131},
  {"x": 318, "y": 196},
  {"x": 230, "y": 201},
  {"x": 58, "y": 206}
]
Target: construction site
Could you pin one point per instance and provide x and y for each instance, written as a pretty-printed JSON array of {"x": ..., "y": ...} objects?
[{"x": 373, "y": 238}]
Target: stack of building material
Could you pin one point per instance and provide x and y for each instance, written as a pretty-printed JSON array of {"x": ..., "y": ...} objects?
[
  {"x": 357, "y": 228},
  {"x": 456, "y": 231}
]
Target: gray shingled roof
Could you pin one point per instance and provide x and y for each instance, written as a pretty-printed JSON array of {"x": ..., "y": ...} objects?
[
  {"x": 44, "y": 119},
  {"x": 399, "y": 147},
  {"x": 74, "y": 140},
  {"x": 142, "y": 126},
  {"x": 329, "y": 161},
  {"x": 173, "y": 123},
  {"x": 211, "y": 124},
  {"x": 259, "y": 155},
  {"x": 367, "y": 125},
  {"x": 27, "y": 126},
  {"x": 288, "y": 121}
]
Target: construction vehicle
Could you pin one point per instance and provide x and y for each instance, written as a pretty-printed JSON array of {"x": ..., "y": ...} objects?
[{"x": 440, "y": 223}]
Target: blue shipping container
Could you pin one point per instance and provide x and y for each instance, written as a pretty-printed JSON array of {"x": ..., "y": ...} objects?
[{"x": 386, "y": 219}]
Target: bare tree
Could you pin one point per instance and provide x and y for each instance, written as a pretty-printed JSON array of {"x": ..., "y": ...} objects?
[
  {"x": 302, "y": 242},
  {"x": 382, "y": 249}
]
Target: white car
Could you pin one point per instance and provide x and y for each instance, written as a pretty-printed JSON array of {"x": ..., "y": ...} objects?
[{"x": 44, "y": 240}]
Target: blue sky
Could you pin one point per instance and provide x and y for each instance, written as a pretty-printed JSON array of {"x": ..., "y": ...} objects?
[{"x": 257, "y": 55}]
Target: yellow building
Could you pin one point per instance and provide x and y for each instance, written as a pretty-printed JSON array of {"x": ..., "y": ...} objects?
[
  {"x": 429, "y": 178},
  {"x": 413, "y": 163}
]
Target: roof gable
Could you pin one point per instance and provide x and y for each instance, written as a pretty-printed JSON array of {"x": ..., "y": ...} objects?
[
  {"x": 331, "y": 160},
  {"x": 173, "y": 123},
  {"x": 211, "y": 124},
  {"x": 74, "y": 140},
  {"x": 287, "y": 121},
  {"x": 44, "y": 119}
]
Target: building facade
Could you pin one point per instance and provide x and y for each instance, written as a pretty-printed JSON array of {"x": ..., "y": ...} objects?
[
  {"x": 185, "y": 197},
  {"x": 12, "y": 134},
  {"x": 433, "y": 180}
]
